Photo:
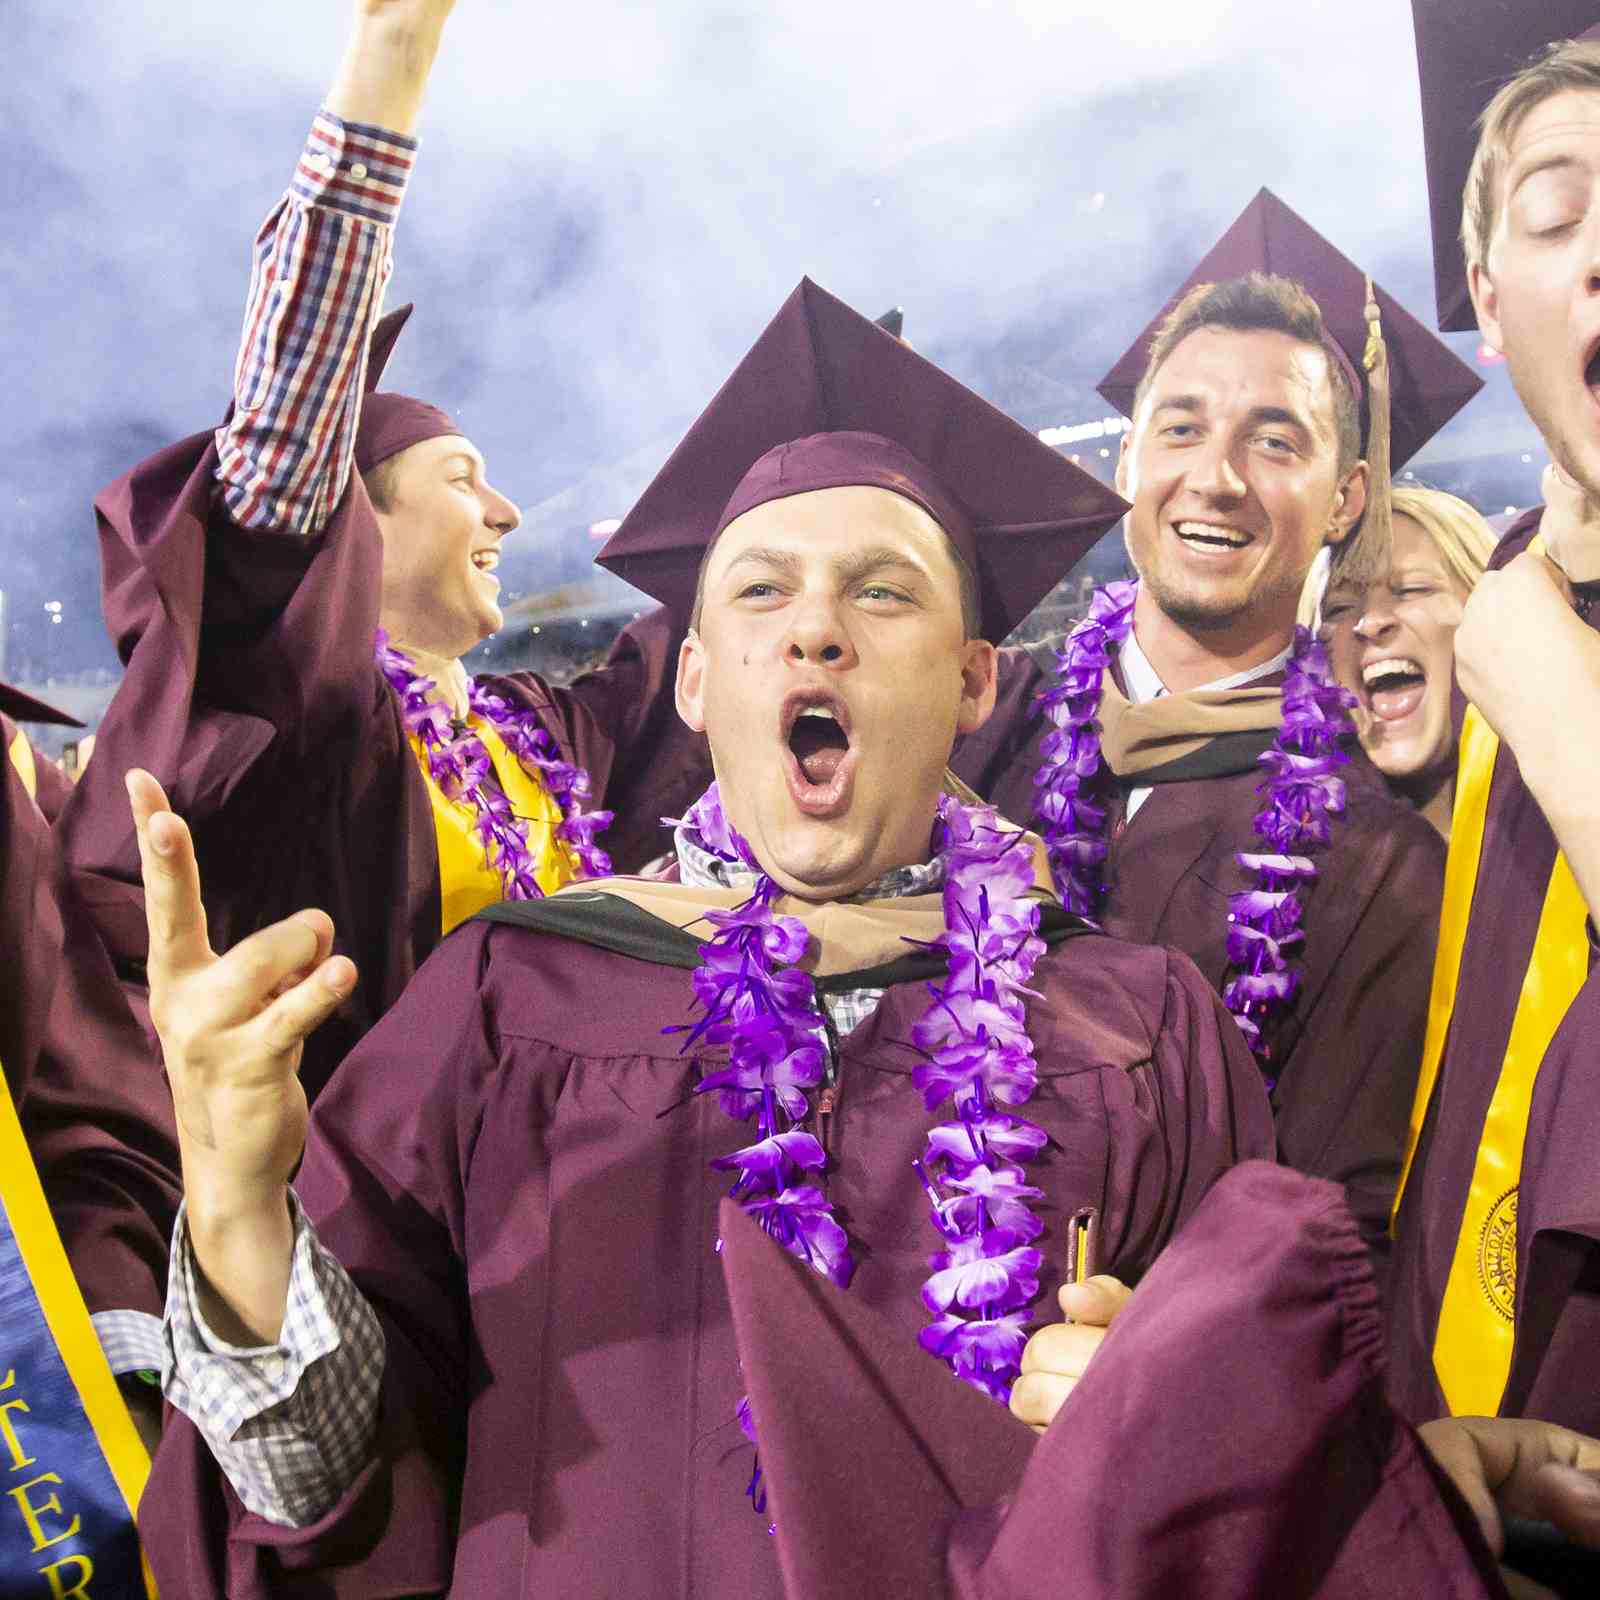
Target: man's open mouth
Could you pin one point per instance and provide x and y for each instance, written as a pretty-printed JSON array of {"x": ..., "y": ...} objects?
[
  {"x": 1591, "y": 369},
  {"x": 1394, "y": 687},
  {"x": 485, "y": 561},
  {"x": 816, "y": 731}
]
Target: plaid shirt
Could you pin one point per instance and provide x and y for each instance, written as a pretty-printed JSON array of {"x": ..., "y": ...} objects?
[
  {"x": 322, "y": 261},
  {"x": 291, "y": 1424}
]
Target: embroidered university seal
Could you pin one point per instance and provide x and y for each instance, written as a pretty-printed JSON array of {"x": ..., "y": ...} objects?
[{"x": 1497, "y": 1255}]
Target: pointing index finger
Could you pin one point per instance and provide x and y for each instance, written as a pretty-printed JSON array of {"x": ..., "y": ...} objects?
[{"x": 174, "y": 912}]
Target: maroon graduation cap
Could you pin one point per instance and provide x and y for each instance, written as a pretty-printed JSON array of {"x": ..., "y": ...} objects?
[
  {"x": 391, "y": 422},
  {"x": 1428, "y": 382},
  {"x": 1417, "y": 386},
  {"x": 1466, "y": 49},
  {"x": 22, "y": 707},
  {"x": 826, "y": 397},
  {"x": 1231, "y": 1437}
]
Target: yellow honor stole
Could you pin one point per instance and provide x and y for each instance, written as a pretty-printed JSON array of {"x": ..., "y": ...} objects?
[
  {"x": 1473, "y": 1342},
  {"x": 21, "y": 753},
  {"x": 467, "y": 881},
  {"x": 72, "y": 1467}
]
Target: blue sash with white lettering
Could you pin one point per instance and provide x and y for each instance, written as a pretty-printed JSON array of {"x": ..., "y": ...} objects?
[{"x": 71, "y": 1465}]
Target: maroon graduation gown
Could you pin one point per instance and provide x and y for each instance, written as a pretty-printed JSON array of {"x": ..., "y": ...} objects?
[
  {"x": 89, "y": 1090},
  {"x": 251, "y": 693},
  {"x": 1553, "y": 1372},
  {"x": 517, "y": 1178},
  {"x": 1348, "y": 1054}
]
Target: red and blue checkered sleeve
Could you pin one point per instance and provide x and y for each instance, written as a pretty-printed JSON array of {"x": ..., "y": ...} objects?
[{"x": 322, "y": 261}]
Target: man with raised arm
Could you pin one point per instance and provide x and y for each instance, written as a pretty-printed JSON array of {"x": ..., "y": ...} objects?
[
  {"x": 248, "y": 573},
  {"x": 1497, "y": 1291},
  {"x": 1184, "y": 756},
  {"x": 486, "y": 1334}
]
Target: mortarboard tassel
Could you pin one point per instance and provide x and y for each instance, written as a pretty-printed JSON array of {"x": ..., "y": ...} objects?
[{"x": 1364, "y": 556}]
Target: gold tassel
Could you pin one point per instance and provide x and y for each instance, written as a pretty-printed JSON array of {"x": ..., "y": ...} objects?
[{"x": 1364, "y": 556}]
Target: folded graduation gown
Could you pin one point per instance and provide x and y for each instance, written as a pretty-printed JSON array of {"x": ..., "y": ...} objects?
[
  {"x": 514, "y": 1168},
  {"x": 1346, "y": 1054},
  {"x": 252, "y": 694},
  {"x": 1231, "y": 1437},
  {"x": 89, "y": 1089}
]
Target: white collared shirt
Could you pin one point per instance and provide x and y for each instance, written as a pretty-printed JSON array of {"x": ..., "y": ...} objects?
[{"x": 1145, "y": 684}]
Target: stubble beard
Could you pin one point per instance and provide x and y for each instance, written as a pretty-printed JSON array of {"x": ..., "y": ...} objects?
[{"x": 1201, "y": 613}]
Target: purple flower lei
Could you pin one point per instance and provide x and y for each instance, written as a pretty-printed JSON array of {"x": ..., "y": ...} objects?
[
  {"x": 459, "y": 763},
  {"x": 1300, "y": 792},
  {"x": 977, "y": 1054}
]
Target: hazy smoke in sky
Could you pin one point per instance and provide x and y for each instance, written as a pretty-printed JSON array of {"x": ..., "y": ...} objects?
[{"x": 613, "y": 197}]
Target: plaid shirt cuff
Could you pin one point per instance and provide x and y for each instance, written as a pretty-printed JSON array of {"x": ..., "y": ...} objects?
[
  {"x": 130, "y": 1340},
  {"x": 291, "y": 1424},
  {"x": 354, "y": 168}
]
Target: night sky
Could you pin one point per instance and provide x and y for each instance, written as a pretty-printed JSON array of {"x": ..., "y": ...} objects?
[{"x": 612, "y": 199}]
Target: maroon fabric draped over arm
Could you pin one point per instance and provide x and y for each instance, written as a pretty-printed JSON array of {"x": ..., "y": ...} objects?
[{"x": 1230, "y": 1438}]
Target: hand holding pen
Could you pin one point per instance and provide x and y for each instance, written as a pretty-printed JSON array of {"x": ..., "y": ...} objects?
[{"x": 1057, "y": 1356}]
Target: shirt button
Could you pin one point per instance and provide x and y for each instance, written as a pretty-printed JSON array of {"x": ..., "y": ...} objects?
[
  {"x": 272, "y": 1368},
  {"x": 359, "y": 170},
  {"x": 324, "y": 162}
]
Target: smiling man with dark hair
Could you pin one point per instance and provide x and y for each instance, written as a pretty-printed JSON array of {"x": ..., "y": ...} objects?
[{"x": 1182, "y": 753}]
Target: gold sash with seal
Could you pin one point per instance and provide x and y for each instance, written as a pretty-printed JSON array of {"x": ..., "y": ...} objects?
[{"x": 1473, "y": 1342}]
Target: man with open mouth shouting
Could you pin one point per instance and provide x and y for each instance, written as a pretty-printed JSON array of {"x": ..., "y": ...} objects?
[
  {"x": 1497, "y": 1258},
  {"x": 506, "y": 1365},
  {"x": 292, "y": 594},
  {"x": 1188, "y": 761}
]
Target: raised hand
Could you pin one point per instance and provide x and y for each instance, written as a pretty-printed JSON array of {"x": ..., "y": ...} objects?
[
  {"x": 387, "y": 61},
  {"x": 232, "y": 1030}
]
